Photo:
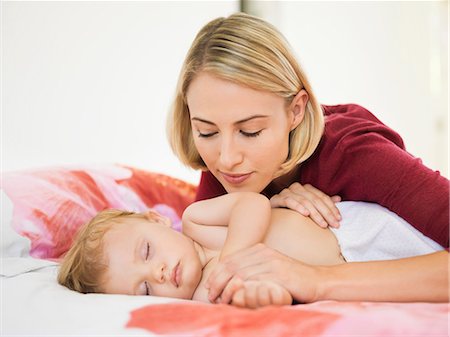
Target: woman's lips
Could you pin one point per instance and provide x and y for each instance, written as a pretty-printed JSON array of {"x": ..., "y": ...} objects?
[
  {"x": 175, "y": 278},
  {"x": 235, "y": 179}
]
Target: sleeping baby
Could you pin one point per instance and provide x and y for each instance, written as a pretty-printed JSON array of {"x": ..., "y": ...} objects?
[{"x": 121, "y": 252}]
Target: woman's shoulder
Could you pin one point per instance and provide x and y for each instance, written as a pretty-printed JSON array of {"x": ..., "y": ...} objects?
[
  {"x": 349, "y": 111},
  {"x": 352, "y": 123}
]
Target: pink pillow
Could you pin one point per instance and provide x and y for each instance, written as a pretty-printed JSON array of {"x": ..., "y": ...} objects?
[{"x": 47, "y": 206}]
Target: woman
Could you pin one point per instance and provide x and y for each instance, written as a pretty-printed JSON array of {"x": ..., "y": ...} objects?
[{"x": 245, "y": 113}]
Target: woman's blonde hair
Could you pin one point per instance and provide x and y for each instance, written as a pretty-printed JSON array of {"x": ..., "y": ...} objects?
[
  {"x": 251, "y": 52},
  {"x": 84, "y": 265}
]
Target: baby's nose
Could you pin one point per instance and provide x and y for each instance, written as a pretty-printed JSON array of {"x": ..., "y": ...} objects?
[{"x": 159, "y": 273}]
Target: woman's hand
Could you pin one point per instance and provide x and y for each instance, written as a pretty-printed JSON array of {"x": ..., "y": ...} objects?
[
  {"x": 391, "y": 280},
  {"x": 309, "y": 201},
  {"x": 255, "y": 294},
  {"x": 262, "y": 263}
]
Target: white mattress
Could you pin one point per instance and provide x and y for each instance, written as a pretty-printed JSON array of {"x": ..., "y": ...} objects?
[{"x": 34, "y": 304}]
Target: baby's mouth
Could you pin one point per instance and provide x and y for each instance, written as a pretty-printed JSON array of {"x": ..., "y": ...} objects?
[{"x": 175, "y": 277}]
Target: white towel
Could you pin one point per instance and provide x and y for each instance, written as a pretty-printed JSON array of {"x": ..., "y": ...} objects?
[{"x": 371, "y": 232}]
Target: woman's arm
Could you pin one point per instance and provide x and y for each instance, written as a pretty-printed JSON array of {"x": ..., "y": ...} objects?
[
  {"x": 367, "y": 161},
  {"x": 415, "y": 279},
  {"x": 394, "y": 280},
  {"x": 361, "y": 159},
  {"x": 389, "y": 176}
]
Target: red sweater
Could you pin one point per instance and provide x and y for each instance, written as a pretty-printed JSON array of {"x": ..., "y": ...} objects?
[{"x": 361, "y": 159}]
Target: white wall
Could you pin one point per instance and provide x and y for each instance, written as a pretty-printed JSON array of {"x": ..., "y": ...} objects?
[
  {"x": 389, "y": 56},
  {"x": 92, "y": 82}
]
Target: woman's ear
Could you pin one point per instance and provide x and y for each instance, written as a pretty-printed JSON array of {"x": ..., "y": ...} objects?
[{"x": 298, "y": 108}]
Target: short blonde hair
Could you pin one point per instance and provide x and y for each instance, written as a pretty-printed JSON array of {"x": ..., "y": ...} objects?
[
  {"x": 251, "y": 52},
  {"x": 84, "y": 265}
]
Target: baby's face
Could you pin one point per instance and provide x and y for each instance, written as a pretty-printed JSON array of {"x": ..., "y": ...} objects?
[{"x": 149, "y": 258}]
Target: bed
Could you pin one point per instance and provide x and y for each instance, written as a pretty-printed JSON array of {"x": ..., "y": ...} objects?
[{"x": 43, "y": 208}]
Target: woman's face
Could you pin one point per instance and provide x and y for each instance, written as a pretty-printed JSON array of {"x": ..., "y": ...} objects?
[{"x": 241, "y": 134}]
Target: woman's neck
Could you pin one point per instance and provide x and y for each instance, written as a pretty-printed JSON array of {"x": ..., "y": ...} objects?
[{"x": 282, "y": 182}]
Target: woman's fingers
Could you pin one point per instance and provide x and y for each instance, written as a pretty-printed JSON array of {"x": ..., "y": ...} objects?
[
  {"x": 309, "y": 201},
  {"x": 280, "y": 296},
  {"x": 217, "y": 281},
  {"x": 230, "y": 289},
  {"x": 264, "y": 296},
  {"x": 255, "y": 294},
  {"x": 325, "y": 204},
  {"x": 336, "y": 198},
  {"x": 238, "y": 299},
  {"x": 251, "y": 295},
  {"x": 243, "y": 265},
  {"x": 231, "y": 266},
  {"x": 261, "y": 263}
]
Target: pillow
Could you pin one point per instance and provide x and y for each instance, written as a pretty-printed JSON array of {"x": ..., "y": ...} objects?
[{"x": 42, "y": 209}]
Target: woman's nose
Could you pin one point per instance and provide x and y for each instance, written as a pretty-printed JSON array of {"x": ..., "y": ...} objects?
[{"x": 230, "y": 153}]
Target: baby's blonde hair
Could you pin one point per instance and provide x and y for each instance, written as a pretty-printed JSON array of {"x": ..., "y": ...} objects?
[
  {"x": 84, "y": 265},
  {"x": 251, "y": 52}
]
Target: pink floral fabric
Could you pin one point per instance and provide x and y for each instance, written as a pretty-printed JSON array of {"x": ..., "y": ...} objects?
[
  {"x": 318, "y": 319},
  {"x": 49, "y": 205}
]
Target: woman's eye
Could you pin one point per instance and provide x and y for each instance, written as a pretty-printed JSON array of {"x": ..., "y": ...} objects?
[
  {"x": 206, "y": 135},
  {"x": 250, "y": 134}
]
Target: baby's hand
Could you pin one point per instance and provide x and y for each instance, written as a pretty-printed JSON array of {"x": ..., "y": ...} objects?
[{"x": 254, "y": 294}]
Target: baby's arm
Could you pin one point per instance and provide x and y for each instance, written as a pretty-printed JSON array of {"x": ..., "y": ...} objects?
[
  {"x": 248, "y": 217},
  {"x": 246, "y": 214}
]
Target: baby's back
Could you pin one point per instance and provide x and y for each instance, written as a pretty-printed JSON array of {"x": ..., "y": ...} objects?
[{"x": 299, "y": 237}]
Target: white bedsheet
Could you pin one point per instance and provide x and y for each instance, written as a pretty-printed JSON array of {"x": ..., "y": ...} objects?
[{"x": 34, "y": 304}]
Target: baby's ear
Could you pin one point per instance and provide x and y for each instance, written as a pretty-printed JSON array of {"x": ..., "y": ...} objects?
[
  {"x": 151, "y": 215},
  {"x": 154, "y": 216}
]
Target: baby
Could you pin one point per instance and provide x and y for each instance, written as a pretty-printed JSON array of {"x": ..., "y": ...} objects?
[{"x": 120, "y": 252}]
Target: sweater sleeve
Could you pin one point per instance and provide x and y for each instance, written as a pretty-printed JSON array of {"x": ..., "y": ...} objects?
[
  {"x": 209, "y": 187},
  {"x": 373, "y": 168}
]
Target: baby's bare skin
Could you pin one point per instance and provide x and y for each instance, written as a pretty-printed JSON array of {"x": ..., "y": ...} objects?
[{"x": 291, "y": 234}]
